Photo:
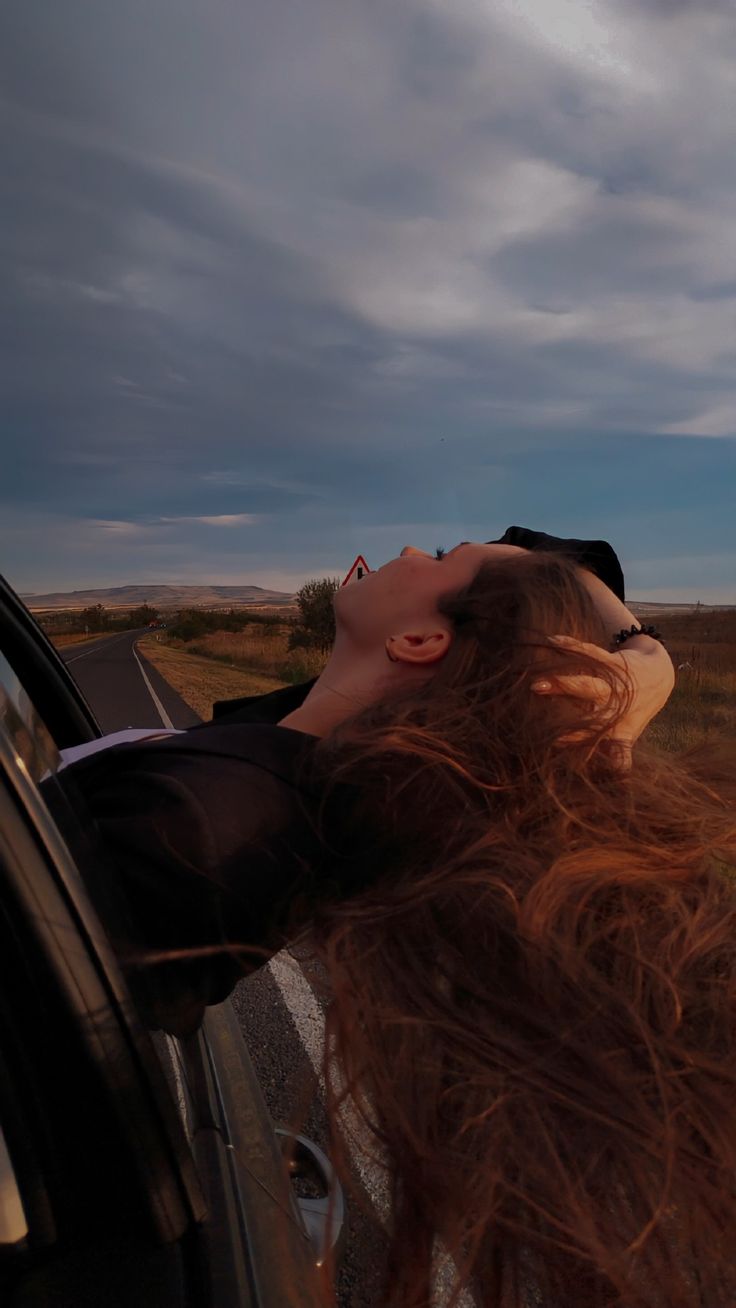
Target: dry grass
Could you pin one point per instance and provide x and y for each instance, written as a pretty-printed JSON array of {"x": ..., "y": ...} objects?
[
  {"x": 77, "y": 638},
  {"x": 262, "y": 650},
  {"x": 201, "y": 681},
  {"x": 703, "y": 704},
  {"x": 700, "y": 709}
]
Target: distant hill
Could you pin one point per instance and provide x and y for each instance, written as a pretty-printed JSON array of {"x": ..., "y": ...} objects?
[
  {"x": 161, "y": 597},
  {"x": 644, "y": 607},
  {"x": 225, "y": 597}
]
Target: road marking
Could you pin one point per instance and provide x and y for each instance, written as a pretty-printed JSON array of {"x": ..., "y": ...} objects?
[
  {"x": 308, "y": 1018},
  {"x": 87, "y": 652},
  {"x": 161, "y": 710}
]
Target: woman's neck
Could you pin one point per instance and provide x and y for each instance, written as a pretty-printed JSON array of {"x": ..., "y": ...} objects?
[{"x": 348, "y": 684}]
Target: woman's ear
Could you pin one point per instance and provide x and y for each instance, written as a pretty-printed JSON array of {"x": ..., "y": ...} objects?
[{"x": 419, "y": 647}]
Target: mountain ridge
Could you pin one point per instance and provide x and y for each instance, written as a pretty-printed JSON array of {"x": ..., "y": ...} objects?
[{"x": 206, "y": 595}]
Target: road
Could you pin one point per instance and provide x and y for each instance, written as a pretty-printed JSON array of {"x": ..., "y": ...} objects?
[
  {"x": 122, "y": 688},
  {"x": 281, "y": 1016},
  {"x": 279, "y": 1011}
]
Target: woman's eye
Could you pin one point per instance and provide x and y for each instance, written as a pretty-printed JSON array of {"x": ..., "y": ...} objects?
[{"x": 439, "y": 552}]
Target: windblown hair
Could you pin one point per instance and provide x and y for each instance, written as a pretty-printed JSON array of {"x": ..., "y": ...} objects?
[{"x": 534, "y": 990}]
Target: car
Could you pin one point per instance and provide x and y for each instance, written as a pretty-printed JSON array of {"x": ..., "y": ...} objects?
[{"x": 137, "y": 1170}]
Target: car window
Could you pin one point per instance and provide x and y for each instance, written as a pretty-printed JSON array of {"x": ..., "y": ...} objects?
[
  {"x": 35, "y": 749},
  {"x": 45, "y": 677},
  {"x": 58, "y": 807},
  {"x": 13, "y": 1222},
  {"x": 59, "y": 810},
  {"x": 55, "y": 959}
]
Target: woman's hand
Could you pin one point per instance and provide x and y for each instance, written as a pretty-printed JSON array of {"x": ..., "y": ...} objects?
[{"x": 646, "y": 667}]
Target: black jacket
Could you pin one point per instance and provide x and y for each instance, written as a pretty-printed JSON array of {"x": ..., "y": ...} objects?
[
  {"x": 597, "y": 555},
  {"x": 205, "y": 841}
]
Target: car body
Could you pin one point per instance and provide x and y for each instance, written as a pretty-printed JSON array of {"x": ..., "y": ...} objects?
[{"x": 136, "y": 1169}]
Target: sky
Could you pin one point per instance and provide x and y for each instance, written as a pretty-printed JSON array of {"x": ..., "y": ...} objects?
[{"x": 288, "y": 280}]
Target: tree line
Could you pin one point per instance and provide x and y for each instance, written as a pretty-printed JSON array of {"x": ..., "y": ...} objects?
[
  {"x": 97, "y": 619},
  {"x": 313, "y": 628}
]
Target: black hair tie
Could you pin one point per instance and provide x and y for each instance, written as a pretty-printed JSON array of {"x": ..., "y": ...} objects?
[{"x": 626, "y": 633}]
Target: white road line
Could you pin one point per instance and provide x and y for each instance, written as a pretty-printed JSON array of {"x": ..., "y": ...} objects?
[
  {"x": 308, "y": 1018},
  {"x": 87, "y": 652},
  {"x": 309, "y": 1021},
  {"x": 159, "y": 706}
]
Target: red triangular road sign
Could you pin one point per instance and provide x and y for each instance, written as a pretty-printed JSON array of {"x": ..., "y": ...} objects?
[{"x": 358, "y": 570}]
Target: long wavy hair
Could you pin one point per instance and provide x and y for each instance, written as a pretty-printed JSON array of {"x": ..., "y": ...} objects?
[{"x": 534, "y": 978}]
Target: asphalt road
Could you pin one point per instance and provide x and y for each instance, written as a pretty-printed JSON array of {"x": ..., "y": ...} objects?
[
  {"x": 122, "y": 688},
  {"x": 279, "y": 1009},
  {"x": 281, "y": 1016}
]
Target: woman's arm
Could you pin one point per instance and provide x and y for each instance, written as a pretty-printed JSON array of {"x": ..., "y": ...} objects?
[
  {"x": 199, "y": 859},
  {"x": 612, "y": 610}
]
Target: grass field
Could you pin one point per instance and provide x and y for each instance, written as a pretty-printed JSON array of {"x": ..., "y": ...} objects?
[
  {"x": 225, "y": 665},
  {"x": 202, "y": 681},
  {"x": 703, "y": 704},
  {"x": 262, "y": 650}
]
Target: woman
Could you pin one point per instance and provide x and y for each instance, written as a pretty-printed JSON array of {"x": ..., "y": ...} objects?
[
  {"x": 530, "y": 950},
  {"x": 212, "y": 831}
]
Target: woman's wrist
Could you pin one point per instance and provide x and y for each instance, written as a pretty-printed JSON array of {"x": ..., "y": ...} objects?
[
  {"x": 642, "y": 642},
  {"x": 652, "y": 675}
]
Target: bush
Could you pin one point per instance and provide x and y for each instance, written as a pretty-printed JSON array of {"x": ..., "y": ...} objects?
[
  {"x": 190, "y": 624},
  {"x": 95, "y": 618},
  {"x": 316, "y": 625}
]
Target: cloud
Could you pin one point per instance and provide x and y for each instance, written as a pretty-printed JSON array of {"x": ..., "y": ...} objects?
[
  {"x": 114, "y": 528},
  {"x": 218, "y": 520},
  {"x": 717, "y": 421},
  {"x": 230, "y": 520},
  {"x": 320, "y": 261},
  {"x": 146, "y": 526}
]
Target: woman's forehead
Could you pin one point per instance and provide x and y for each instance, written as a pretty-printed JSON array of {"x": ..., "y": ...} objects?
[
  {"x": 465, "y": 559},
  {"x": 490, "y": 552}
]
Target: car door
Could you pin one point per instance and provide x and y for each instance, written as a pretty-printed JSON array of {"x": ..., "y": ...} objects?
[{"x": 136, "y": 1169}]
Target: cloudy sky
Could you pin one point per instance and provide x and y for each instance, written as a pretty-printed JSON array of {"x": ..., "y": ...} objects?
[{"x": 285, "y": 280}]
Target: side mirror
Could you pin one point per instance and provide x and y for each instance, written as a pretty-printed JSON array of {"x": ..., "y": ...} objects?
[{"x": 317, "y": 1194}]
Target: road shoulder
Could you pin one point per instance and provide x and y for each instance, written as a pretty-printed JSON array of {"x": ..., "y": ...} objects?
[{"x": 200, "y": 681}]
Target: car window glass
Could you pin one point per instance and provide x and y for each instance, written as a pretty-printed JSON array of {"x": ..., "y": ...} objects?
[
  {"x": 13, "y": 1224},
  {"x": 35, "y": 751},
  {"x": 38, "y": 758}
]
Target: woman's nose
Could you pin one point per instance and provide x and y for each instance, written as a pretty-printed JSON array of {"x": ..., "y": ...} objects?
[{"x": 409, "y": 549}]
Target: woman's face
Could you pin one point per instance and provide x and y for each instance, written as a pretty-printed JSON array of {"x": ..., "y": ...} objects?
[{"x": 403, "y": 595}]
